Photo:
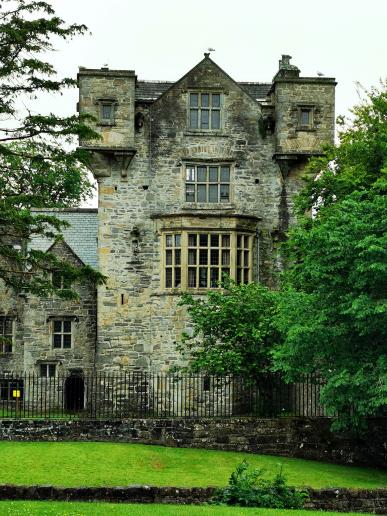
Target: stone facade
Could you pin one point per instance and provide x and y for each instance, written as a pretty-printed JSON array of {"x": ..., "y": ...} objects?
[{"x": 155, "y": 135}]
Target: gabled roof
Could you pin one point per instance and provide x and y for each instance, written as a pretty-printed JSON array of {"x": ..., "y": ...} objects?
[
  {"x": 151, "y": 90},
  {"x": 80, "y": 236}
]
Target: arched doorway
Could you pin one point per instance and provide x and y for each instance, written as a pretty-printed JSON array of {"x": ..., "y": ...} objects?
[{"x": 74, "y": 393}]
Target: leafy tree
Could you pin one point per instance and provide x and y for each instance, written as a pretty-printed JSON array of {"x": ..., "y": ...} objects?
[
  {"x": 333, "y": 310},
  {"x": 233, "y": 330},
  {"x": 38, "y": 166}
]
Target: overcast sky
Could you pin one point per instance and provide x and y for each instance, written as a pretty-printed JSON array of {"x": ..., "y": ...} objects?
[{"x": 163, "y": 39}]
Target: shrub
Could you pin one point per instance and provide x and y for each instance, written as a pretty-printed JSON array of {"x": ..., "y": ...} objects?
[{"x": 247, "y": 488}]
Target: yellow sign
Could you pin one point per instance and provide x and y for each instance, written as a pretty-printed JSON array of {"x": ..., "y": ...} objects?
[{"x": 16, "y": 393}]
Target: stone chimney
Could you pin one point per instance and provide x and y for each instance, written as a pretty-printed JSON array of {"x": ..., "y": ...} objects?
[{"x": 286, "y": 70}]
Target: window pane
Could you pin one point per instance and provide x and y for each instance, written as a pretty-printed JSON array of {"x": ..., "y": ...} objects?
[
  {"x": 224, "y": 193},
  {"x": 246, "y": 276},
  {"x": 202, "y": 197},
  {"x": 214, "y": 240},
  {"x": 57, "y": 280},
  {"x": 168, "y": 240},
  {"x": 194, "y": 99},
  {"x": 67, "y": 326},
  {"x": 246, "y": 259},
  {"x": 214, "y": 257},
  {"x": 225, "y": 175},
  {"x": 43, "y": 370},
  {"x": 246, "y": 242},
  {"x": 203, "y": 240},
  {"x": 239, "y": 276},
  {"x": 215, "y": 119},
  {"x": 239, "y": 241},
  {"x": 239, "y": 258},
  {"x": 57, "y": 326},
  {"x": 177, "y": 277},
  {"x": 225, "y": 257},
  {"x": 192, "y": 277},
  {"x": 305, "y": 116},
  {"x": 67, "y": 341},
  {"x": 51, "y": 370},
  {"x": 205, "y": 119},
  {"x": 215, "y": 100},
  {"x": 107, "y": 111},
  {"x": 203, "y": 257},
  {"x": 214, "y": 278},
  {"x": 192, "y": 240},
  {"x": 192, "y": 257},
  {"x": 177, "y": 240},
  {"x": 193, "y": 118},
  {"x": 225, "y": 240},
  {"x": 213, "y": 193},
  {"x": 168, "y": 257},
  {"x": 225, "y": 272},
  {"x": 168, "y": 278},
  {"x": 7, "y": 328},
  {"x": 177, "y": 257},
  {"x": 57, "y": 342},
  {"x": 190, "y": 174},
  {"x": 203, "y": 277},
  {"x": 190, "y": 193},
  {"x": 213, "y": 175},
  {"x": 205, "y": 100},
  {"x": 202, "y": 174}
]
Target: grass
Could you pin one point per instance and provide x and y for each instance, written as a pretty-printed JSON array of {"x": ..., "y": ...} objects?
[
  {"x": 116, "y": 464},
  {"x": 112, "y": 509}
]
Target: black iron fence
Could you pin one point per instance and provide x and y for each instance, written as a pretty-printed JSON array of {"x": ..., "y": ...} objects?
[{"x": 151, "y": 395}]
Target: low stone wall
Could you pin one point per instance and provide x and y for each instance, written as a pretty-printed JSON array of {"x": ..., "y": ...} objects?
[
  {"x": 288, "y": 437},
  {"x": 342, "y": 500}
]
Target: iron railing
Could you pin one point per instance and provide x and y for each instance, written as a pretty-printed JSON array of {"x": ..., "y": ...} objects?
[{"x": 151, "y": 395}]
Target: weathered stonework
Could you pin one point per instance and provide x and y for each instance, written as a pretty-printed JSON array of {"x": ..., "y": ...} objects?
[
  {"x": 140, "y": 164},
  {"x": 142, "y": 196}
]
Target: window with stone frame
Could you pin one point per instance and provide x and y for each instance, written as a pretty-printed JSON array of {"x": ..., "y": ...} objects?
[
  {"x": 106, "y": 113},
  {"x": 305, "y": 118},
  {"x": 61, "y": 281},
  {"x": 205, "y": 110},
  {"x": 207, "y": 183},
  {"x": 200, "y": 259},
  {"x": 47, "y": 370},
  {"x": 6, "y": 334},
  {"x": 62, "y": 336}
]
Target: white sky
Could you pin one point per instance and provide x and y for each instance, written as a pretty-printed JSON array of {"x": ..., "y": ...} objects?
[{"x": 163, "y": 39}]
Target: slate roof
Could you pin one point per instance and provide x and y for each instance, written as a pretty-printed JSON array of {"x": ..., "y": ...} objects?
[
  {"x": 151, "y": 90},
  {"x": 81, "y": 236}
]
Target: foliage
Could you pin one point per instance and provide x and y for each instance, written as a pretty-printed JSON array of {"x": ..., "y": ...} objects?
[
  {"x": 333, "y": 311},
  {"x": 38, "y": 166},
  {"x": 31, "y": 508},
  {"x": 233, "y": 329},
  {"x": 247, "y": 488},
  {"x": 75, "y": 464}
]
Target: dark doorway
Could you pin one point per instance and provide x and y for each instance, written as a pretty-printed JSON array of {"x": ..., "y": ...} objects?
[{"x": 74, "y": 393}]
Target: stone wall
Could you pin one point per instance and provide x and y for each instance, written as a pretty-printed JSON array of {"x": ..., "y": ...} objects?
[
  {"x": 342, "y": 500},
  {"x": 287, "y": 437},
  {"x": 143, "y": 196}
]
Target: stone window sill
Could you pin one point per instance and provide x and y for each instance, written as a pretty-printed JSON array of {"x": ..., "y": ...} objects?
[
  {"x": 215, "y": 206},
  {"x": 206, "y": 133}
]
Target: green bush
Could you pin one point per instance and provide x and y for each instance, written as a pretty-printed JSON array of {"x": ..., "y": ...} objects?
[{"x": 247, "y": 488}]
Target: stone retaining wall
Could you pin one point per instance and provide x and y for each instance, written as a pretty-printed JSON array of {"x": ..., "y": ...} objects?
[
  {"x": 287, "y": 437},
  {"x": 343, "y": 500}
]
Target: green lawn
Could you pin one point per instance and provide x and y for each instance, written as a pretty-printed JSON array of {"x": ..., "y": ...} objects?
[
  {"x": 104, "y": 509},
  {"x": 117, "y": 464}
]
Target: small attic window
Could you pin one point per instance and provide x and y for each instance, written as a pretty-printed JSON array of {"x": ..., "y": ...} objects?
[
  {"x": 107, "y": 109},
  {"x": 205, "y": 110}
]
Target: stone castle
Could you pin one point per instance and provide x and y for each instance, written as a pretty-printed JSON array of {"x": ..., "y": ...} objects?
[{"x": 195, "y": 180}]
